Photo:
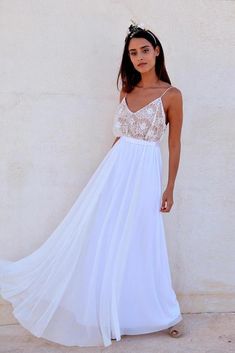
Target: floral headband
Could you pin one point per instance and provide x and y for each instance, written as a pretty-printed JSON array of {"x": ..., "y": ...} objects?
[{"x": 134, "y": 28}]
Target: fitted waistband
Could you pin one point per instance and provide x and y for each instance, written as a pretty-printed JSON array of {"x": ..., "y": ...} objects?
[{"x": 139, "y": 141}]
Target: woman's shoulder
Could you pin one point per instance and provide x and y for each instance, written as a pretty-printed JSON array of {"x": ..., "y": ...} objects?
[
  {"x": 174, "y": 91},
  {"x": 172, "y": 97},
  {"x": 122, "y": 95}
]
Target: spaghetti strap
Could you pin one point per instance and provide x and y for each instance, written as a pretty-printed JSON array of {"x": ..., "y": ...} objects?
[
  {"x": 166, "y": 91},
  {"x": 124, "y": 97}
]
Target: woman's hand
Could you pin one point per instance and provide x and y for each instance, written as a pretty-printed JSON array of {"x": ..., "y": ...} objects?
[
  {"x": 167, "y": 200},
  {"x": 116, "y": 139}
]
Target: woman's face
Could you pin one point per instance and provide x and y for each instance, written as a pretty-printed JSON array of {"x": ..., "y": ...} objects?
[{"x": 141, "y": 51}]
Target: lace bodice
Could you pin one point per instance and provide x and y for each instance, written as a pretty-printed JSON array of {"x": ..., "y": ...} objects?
[{"x": 147, "y": 123}]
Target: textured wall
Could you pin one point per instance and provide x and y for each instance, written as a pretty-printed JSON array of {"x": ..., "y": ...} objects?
[{"x": 59, "y": 61}]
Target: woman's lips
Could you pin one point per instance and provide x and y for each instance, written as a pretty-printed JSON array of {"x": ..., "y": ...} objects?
[{"x": 141, "y": 64}]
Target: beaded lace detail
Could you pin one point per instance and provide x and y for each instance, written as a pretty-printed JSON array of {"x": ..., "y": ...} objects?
[{"x": 147, "y": 123}]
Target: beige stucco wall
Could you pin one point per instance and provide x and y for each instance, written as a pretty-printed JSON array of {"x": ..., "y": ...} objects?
[{"x": 59, "y": 63}]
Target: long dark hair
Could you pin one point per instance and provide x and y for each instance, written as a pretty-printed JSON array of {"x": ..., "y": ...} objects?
[{"x": 129, "y": 75}]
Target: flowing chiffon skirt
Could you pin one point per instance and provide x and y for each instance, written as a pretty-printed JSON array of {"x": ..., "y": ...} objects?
[{"x": 104, "y": 271}]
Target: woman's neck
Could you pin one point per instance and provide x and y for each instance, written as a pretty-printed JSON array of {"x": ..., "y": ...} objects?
[{"x": 148, "y": 81}]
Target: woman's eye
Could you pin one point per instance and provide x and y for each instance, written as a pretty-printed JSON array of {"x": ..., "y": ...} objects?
[{"x": 134, "y": 53}]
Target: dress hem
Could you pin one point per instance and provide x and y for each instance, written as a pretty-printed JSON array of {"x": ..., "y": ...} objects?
[{"x": 159, "y": 328}]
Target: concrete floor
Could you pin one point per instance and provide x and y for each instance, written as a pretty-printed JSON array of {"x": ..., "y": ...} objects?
[{"x": 204, "y": 333}]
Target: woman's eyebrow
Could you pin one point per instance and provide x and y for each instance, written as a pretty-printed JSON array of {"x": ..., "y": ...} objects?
[{"x": 145, "y": 46}]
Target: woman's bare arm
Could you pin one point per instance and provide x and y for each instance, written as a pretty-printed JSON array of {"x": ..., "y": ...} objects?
[
  {"x": 175, "y": 118},
  {"x": 122, "y": 94}
]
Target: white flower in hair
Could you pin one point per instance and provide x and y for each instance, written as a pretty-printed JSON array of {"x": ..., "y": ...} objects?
[
  {"x": 134, "y": 27},
  {"x": 142, "y": 26}
]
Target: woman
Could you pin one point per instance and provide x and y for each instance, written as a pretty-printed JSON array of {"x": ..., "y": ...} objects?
[
  {"x": 144, "y": 77},
  {"x": 104, "y": 271}
]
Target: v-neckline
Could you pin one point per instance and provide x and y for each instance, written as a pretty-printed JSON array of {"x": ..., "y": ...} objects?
[{"x": 124, "y": 98}]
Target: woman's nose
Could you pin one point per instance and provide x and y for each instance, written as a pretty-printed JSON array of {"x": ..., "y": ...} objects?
[{"x": 140, "y": 57}]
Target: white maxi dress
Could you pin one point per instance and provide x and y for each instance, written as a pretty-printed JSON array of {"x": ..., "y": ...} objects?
[{"x": 104, "y": 270}]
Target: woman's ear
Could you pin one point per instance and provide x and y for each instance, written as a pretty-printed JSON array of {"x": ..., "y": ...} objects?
[{"x": 157, "y": 50}]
